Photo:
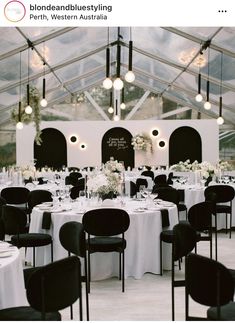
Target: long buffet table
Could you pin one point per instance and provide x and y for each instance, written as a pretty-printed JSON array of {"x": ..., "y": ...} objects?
[{"x": 143, "y": 244}]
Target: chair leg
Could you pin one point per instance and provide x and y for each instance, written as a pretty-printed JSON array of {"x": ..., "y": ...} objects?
[
  {"x": 71, "y": 312},
  {"x": 211, "y": 246},
  {"x": 123, "y": 271},
  {"x": 120, "y": 266},
  {"x": 226, "y": 221},
  {"x": 89, "y": 271},
  {"x": 52, "y": 256},
  {"x": 216, "y": 257},
  {"x": 160, "y": 257},
  {"x": 33, "y": 256},
  {"x": 230, "y": 229},
  {"x": 86, "y": 282}
]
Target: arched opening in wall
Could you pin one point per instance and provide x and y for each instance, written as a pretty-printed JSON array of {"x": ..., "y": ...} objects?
[
  {"x": 53, "y": 150},
  {"x": 185, "y": 143},
  {"x": 116, "y": 143}
]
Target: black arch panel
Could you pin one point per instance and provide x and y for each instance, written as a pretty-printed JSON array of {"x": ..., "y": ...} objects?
[
  {"x": 116, "y": 143},
  {"x": 52, "y": 151},
  {"x": 185, "y": 143}
]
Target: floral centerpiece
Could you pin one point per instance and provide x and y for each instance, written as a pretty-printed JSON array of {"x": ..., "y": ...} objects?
[
  {"x": 142, "y": 142},
  {"x": 223, "y": 165},
  {"x": 207, "y": 170},
  {"x": 28, "y": 173},
  {"x": 107, "y": 183}
]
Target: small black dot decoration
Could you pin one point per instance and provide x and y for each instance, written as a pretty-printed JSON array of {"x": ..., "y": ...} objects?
[
  {"x": 162, "y": 143},
  {"x": 83, "y": 146},
  {"x": 155, "y": 132},
  {"x": 73, "y": 139}
]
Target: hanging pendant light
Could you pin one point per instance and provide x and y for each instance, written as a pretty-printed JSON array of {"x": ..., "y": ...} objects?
[
  {"x": 207, "y": 104},
  {"x": 199, "y": 97},
  {"x": 122, "y": 105},
  {"x": 118, "y": 83},
  {"x": 220, "y": 119},
  {"x": 19, "y": 124},
  {"x": 28, "y": 109},
  {"x": 130, "y": 76},
  {"x": 110, "y": 109},
  {"x": 43, "y": 102},
  {"x": 107, "y": 83}
]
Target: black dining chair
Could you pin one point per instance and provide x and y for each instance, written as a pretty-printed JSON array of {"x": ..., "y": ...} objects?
[
  {"x": 14, "y": 224},
  {"x": 200, "y": 218},
  {"x": 17, "y": 196},
  {"x": 148, "y": 173},
  {"x": 184, "y": 241},
  {"x": 133, "y": 189},
  {"x": 72, "y": 239},
  {"x": 50, "y": 289},
  {"x": 103, "y": 227},
  {"x": 74, "y": 192},
  {"x": 2, "y": 202},
  {"x": 219, "y": 194},
  {"x": 36, "y": 197},
  {"x": 141, "y": 182},
  {"x": 209, "y": 283},
  {"x": 160, "y": 180}
]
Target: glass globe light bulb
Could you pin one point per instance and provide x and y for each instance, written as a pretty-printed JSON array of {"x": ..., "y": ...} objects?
[
  {"x": 207, "y": 105},
  {"x": 110, "y": 110},
  {"x": 123, "y": 106},
  {"x": 220, "y": 120},
  {"x": 116, "y": 118},
  {"x": 43, "y": 103},
  {"x": 19, "y": 125},
  {"x": 130, "y": 77},
  {"x": 198, "y": 97},
  {"x": 107, "y": 83},
  {"x": 118, "y": 84},
  {"x": 28, "y": 109}
]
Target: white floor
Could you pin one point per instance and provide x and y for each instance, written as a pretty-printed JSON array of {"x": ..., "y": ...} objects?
[{"x": 148, "y": 299}]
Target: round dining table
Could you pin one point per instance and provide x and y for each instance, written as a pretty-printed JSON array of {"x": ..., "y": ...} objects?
[
  {"x": 12, "y": 288},
  {"x": 143, "y": 236}
]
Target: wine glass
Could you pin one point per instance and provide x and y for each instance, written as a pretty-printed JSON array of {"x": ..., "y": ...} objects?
[{"x": 82, "y": 197}]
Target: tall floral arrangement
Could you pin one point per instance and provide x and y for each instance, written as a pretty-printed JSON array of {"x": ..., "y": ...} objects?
[
  {"x": 142, "y": 142},
  {"x": 34, "y": 98},
  {"x": 108, "y": 180}
]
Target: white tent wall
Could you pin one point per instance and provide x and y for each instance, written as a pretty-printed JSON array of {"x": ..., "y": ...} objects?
[{"x": 91, "y": 133}]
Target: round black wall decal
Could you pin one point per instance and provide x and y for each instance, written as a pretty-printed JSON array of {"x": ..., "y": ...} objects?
[
  {"x": 161, "y": 143},
  {"x": 155, "y": 132},
  {"x": 73, "y": 139},
  {"x": 83, "y": 146}
]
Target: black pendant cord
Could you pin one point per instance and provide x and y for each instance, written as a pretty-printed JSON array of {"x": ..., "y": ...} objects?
[
  {"x": 208, "y": 77},
  {"x": 221, "y": 80},
  {"x": 116, "y": 108},
  {"x": 19, "y": 108},
  {"x": 123, "y": 98},
  {"x": 28, "y": 81}
]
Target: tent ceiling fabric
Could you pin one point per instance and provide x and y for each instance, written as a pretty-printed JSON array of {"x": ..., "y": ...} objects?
[{"x": 164, "y": 62}]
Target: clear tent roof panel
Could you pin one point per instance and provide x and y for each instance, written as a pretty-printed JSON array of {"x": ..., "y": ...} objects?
[
  {"x": 10, "y": 39},
  {"x": 201, "y": 32},
  {"x": 160, "y": 58},
  {"x": 160, "y": 42}
]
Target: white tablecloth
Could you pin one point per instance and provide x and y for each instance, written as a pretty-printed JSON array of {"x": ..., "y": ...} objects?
[
  {"x": 143, "y": 244},
  {"x": 12, "y": 289}
]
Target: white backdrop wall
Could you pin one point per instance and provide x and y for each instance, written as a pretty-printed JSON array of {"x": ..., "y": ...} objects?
[{"x": 91, "y": 133}]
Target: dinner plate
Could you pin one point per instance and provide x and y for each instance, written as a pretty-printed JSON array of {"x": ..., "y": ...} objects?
[
  {"x": 45, "y": 208},
  {"x": 166, "y": 204}
]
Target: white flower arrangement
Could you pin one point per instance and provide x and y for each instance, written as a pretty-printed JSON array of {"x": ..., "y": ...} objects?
[
  {"x": 223, "y": 165},
  {"x": 142, "y": 142},
  {"x": 28, "y": 172},
  {"x": 206, "y": 168},
  {"x": 109, "y": 180}
]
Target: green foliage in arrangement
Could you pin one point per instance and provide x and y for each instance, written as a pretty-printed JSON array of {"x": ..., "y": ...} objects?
[{"x": 8, "y": 154}]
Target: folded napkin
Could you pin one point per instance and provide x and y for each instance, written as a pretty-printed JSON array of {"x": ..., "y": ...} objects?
[
  {"x": 46, "y": 220},
  {"x": 165, "y": 218}
]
